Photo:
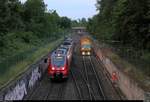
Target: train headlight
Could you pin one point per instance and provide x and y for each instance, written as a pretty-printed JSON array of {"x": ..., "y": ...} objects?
[
  {"x": 63, "y": 68},
  {"x": 53, "y": 68},
  {"x": 83, "y": 53},
  {"x": 89, "y": 53}
]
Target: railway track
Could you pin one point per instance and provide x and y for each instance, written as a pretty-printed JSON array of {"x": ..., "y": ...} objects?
[
  {"x": 56, "y": 91},
  {"x": 108, "y": 77},
  {"x": 98, "y": 79},
  {"x": 83, "y": 88},
  {"x": 86, "y": 82},
  {"x": 47, "y": 90},
  {"x": 80, "y": 77},
  {"x": 87, "y": 79},
  {"x": 88, "y": 76},
  {"x": 76, "y": 85},
  {"x": 93, "y": 79}
]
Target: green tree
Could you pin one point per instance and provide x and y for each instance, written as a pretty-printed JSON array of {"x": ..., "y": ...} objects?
[
  {"x": 65, "y": 22},
  {"x": 34, "y": 13},
  {"x": 10, "y": 18},
  {"x": 123, "y": 20}
]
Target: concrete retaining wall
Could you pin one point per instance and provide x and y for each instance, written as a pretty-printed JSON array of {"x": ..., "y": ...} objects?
[
  {"x": 24, "y": 83},
  {"x": 128, "y": 86},
  {"x": 19, "y": 88}
]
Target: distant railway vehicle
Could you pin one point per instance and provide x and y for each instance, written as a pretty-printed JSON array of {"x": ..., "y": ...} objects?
[{"x": 86, "y": 46}]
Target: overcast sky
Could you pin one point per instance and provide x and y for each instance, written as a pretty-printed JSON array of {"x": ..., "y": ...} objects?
[{"x": 73, "y": 9}]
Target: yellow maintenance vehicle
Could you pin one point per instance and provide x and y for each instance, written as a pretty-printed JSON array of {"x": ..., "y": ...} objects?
[{"x": 86, "y": 46}]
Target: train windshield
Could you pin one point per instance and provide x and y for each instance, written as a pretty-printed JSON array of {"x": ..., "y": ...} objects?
[
  {"x": 86, "y": 46},
  {"x": 59, "y": 61},
  {"x": 59, "y": 52}
]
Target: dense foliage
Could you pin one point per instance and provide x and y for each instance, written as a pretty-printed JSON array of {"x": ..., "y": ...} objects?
[
  {"x": 126, "y": 21},
  {"x": 79, "y": 23},
  {"x": 28, "y": 24},
  {"x": 125, "y": 25}
]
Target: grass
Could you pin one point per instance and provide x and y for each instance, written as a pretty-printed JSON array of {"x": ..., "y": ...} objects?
[{"x": 21, "y": 66}]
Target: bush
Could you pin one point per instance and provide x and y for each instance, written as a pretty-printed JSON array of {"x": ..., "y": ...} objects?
[
  {"x": 146, "y": 57},
  {"x": 28, "y": 37}
]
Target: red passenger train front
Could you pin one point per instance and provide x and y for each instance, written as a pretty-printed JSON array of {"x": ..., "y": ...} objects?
[{"x": 58, "y": 67}]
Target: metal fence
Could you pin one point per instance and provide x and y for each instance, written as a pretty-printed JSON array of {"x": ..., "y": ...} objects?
[
  {"x": 6, "y": 64},
  {"x": 130, "y": 54},
  {"x": 13, "y": 60}
]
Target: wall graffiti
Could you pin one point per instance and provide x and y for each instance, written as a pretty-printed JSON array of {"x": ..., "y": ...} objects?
[
  {"x": 19, "y": 89},
  {"x": 16, "y": 93},
  {"x": 36, "y": 75}
]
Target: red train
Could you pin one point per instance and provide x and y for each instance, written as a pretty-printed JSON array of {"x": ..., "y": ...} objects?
[
  {"x": 58, "y": 67},
  {"x": 59, "y": 63}
]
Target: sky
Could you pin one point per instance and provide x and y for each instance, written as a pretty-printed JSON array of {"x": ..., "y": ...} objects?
[{"x": 73, "y": 9}]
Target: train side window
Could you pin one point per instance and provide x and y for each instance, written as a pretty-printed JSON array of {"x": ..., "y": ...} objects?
[{"x": 45, "y": 60}]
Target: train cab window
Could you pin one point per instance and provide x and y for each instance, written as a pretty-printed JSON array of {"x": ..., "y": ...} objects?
[
  {"x": 59, "y": 52},
  {"x": 45, "y": 60},
  {"x": 87, "y": 46},
  {"x": 59, "y": 61}
]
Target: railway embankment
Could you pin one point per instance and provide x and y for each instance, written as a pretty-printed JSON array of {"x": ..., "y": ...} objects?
[
  {"x": 132, "y": 83},
  {"x": 24, "y": 83}
]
